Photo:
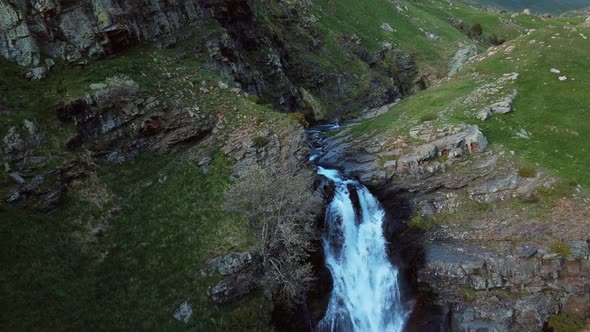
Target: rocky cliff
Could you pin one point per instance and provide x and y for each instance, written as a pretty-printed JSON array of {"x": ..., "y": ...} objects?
[
  {"x": 265, "y": 46},
  {"x": 127, "y": 121},
  {"x": 71, "y": 30},
  {"x": 497, "y": 255}
]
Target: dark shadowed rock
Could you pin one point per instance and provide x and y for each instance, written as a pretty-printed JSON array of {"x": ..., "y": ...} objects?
[
  {"x": 230, "y": 264},
  {"x": 233, "y": 288}
]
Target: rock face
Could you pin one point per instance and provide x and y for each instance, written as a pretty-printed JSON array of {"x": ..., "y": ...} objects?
[
  {"x": 118, "y": 103},
  {"x": 268, "y": 61},
  {"x": 542, "y": 284},
  {"x": 31, "y": 28},
  {"x": 240, "y": 271},
  {"x": 460, "y": 58},
  {"x": 419, "y": 160},
  {"x": 489, "y": 271}
]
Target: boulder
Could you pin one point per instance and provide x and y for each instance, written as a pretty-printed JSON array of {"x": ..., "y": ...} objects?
[
  {"x": 484, "y": 114},
  {"x": 504, "y": 105},
  {"x": 230, "y": 264},
  {"x": 233, "y": 288},
  {"x": 37, "y": 74},
  {"x": 386, "y": 27},
  {"x": 470, "y": 139},
  {"x": 460, "y": 58},
  {"x": 16, "y": 177},
  {"x": 184, "y": 312},
  {"x": 501, "y": 106}
]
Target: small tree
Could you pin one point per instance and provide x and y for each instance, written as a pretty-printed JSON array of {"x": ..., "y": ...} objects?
[
  {"x": 495, "y": 40},
  {"x": 278, "y": 203},
  {"x": 476, "y": 31}
]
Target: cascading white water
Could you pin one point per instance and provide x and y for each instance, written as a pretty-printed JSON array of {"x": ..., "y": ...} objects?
[{"x": 366, "y": 296}]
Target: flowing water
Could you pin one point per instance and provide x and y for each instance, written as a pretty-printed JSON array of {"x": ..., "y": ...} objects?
[{"x": 366, "y": 295}]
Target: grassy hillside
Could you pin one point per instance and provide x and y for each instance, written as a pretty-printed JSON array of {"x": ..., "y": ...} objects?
[
  {"x": 159, "y": 219},
  {"x": 411, "y": 21},
  {"x": 167, "y": 217},
  {"x": 160, "y": 240},
  {"x": 543, "y": 6},
  {"x": 555, "y": 113}
]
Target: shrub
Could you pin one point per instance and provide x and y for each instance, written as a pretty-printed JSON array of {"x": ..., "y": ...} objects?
[
  {"x": 260, "y": 141},
  {"x": 495, "y": 40},
  {"x": 475, "y": 31},
  {"x": 565, "y": 323},
  {"x": 422, "y": 223},
  {"x": 279, "y": 205},
  {"x": 483, "y": 207},
  {"x": 527, "y": 172},
  {"x": 299, "y": 117},
  {"x": 428, "y": 117},
  {"x": 560, "y": 247},
  {"x": 255, "y": 99}
]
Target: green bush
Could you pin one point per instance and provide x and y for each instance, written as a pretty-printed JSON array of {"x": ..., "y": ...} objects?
[
  {"x": 475, "y": 31},
  {"x": 565, "y": 323},
  {"x": 255, "y": 99},
  {"x": 299, "y": 117},
  {"x": 260, "y": 141},
  {"x": 422, "y": 223},
  {"x": 527, "y": 172},
  {"x": 428, "y": 117},
  {"x": 560, "y": 247}
]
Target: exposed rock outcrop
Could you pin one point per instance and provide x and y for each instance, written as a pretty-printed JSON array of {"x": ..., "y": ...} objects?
[
  {"x": 240, "y": 273},
  {"x": 461, "y": 57},
  {"x": 32, "y": 29},
  {"x": 502, "y": 106},
  {"x": 376, "y": 166},
  {"x": 504, "y": 286},
  {"x": 502, "y": 271}
]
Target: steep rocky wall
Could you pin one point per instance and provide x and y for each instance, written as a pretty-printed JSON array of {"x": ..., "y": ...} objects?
[
  {"x": 272, "y": 49},
  {"x": 483, "y": 250},
  {"x": 31, "y": 29}
]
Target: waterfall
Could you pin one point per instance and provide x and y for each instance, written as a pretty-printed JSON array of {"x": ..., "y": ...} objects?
[{"x": 366, "y": 295}]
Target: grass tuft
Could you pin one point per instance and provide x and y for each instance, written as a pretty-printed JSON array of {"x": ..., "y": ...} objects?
[
  {"x": 561, "y": 248},
  {"x": 527, "y": 172}
]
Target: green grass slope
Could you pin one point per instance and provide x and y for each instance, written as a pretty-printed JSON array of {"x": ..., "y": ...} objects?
[
  {"x": 411, "y": 20},
  {"x": 543, "y": 6},
  {"x": 554, "y": 112},
  {"x": 164, "y": 216},
  {"x": 171, "y": 222}
]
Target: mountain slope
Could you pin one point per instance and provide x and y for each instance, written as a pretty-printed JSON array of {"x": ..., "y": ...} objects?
[
  {"x": 541, "y": 6},
  {"x": 118, "y": 163},
  {"x": 493, "y": 161}
]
